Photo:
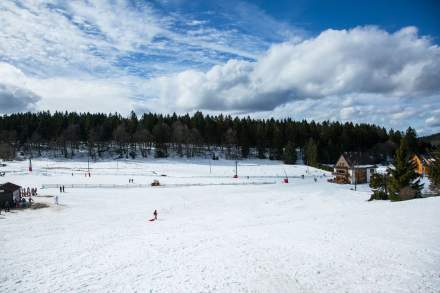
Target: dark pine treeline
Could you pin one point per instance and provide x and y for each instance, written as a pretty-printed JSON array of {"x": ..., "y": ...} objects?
[{"x": 189, "y": 135}]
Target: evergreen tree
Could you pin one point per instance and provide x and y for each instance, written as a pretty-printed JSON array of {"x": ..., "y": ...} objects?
[
  {"x": 161, "y": 133},
  {"x": 434, "y": 171},
  {"x": 260, "y": 141},
  {"x": 311, "y": 153},
  {"x": 277, "y": 143},
  {"x": 404, "y": 182},
  {"x": 378, "y": 185},
  {"x": 289, "y": 155},
  {"x": 411, "y": 141}
]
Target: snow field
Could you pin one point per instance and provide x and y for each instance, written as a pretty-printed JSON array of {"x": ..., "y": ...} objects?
[{"x": 297, "y": 237}]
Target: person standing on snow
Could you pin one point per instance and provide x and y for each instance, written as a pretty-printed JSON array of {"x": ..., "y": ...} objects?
[
  {"x": 155, "y": 214},
  {"x": 56, "y": 199}
]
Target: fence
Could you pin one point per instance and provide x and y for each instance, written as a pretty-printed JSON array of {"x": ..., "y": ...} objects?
[{"x": 46, "y": 186}]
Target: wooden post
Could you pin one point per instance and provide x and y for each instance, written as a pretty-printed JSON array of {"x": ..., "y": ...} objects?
[{"x": 355, "y": 179}]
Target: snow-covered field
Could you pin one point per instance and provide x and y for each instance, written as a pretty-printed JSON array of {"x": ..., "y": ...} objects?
[{"x": 304, "y": 236}]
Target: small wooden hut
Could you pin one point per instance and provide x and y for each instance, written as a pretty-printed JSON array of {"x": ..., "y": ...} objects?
[{"x": 9, "y": 192}]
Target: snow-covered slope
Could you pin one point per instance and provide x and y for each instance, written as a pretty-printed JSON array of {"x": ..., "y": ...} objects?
[{"x": 304, "y": 236}]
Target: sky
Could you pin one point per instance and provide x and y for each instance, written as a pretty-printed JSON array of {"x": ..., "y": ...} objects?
[{"x": 361, "y": 61}]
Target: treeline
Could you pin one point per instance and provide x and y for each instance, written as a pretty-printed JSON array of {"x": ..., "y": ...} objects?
[{"x": 186, "y": 135}]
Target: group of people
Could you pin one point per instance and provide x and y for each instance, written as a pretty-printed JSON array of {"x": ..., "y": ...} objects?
[
  {"x": 21, "y": 202},
  {"x": 314, "y": 177},
  {"x": 130, "y": 180},
  {"x": 18, "y": 202},
  {"x": 26, "y": 192},
  {"x": 62, "y": 188},
  {"x": 87, "y": 174}
]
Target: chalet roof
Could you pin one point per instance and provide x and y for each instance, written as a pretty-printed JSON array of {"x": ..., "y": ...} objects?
[
  {"x": 358, "y": 159},
  {"x": 426, "y": 158},
  {"x": 9, "y": 187}
]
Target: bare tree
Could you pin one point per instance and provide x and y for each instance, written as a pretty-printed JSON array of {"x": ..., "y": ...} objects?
[
  {"x": 231, "y": 144},
  {"x": 179, "y": 136},
  {"x": 194, "y": 139},
  {"x": 144, "y": 138},
  {"x": 120, "y": 135},
  {"x": 71, "y": 136}
]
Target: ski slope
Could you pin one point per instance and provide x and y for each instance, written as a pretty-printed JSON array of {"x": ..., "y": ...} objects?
[{"x": 304, "y": 236}]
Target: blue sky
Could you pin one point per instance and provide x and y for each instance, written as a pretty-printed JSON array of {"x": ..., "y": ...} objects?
[
  {"x": 316, "y": 16},
  {"x": 362, "y": 61}
]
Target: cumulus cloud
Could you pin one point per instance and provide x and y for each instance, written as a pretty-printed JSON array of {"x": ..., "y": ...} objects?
[
  {"x": 363, "y": 60},
  {"x": 434, "y": 121},
  {"x": 20, "y": 92},
  {"x": 14, "y": 95},
  {"x": 15, "y": 99},
  {"x": 93, "y": 95}
]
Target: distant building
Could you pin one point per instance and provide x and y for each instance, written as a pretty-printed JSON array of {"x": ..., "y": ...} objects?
[
  {"x": 9, "y": 192},
  {"x": 349, "y": 163},
  {"x": 422, "y": 162}
]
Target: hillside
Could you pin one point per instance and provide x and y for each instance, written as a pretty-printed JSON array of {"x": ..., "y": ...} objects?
[{"x": 433, "y": 139}]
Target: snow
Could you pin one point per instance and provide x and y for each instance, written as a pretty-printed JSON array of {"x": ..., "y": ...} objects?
[{"x": 297, "y": 237}]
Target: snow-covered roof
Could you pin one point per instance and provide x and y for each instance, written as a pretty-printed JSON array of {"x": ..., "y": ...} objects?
[
  {"x": 9, "y": 187},
  {"x": 365, "y": 166}
]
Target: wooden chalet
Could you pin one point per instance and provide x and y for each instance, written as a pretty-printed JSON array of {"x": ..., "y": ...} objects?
[
  {"x": 359, "y": 164},
  {"x": 422, "y": 163},
  {"x": 9, "y": 192}
]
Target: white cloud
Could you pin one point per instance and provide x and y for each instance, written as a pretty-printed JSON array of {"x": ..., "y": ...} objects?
[
  {"x": 123, "y": 26},
  {"x": 84, "y": 95},
  {"x": 364, "y": 60},
  {"x": 110, "y": 38},
  {"x": 79, "y": 55},
  {"x": 19, "y": 92},
  {"x": 434, "y": 121},
  {"x": 14, "y": 94}
]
